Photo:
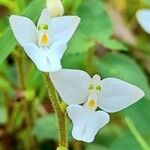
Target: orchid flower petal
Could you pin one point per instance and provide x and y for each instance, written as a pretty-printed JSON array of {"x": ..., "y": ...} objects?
[
  {"x": 116, "y": 94},
  {"x": 44, "y": 18},
  {"x": 72, "y": 85},
  {"x": 38, "y": 56},
  {"x": 143, "y": 17},
  {"x": 62, "y": 28},
  {"x": 86, "y": 123},
  {"x": 57, "y": 50},
  {"x": 23, "y": 29},
  {"x": 46, "y": 60},
  {"x": 55, "y": 54}
]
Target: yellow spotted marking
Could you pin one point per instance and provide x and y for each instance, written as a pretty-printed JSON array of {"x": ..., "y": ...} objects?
[
  {"x": 91, "y": 104},
  {"x": 44, "y": 39}
]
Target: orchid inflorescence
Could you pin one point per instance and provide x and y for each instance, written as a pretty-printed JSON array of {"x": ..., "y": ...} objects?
[{"x": 89, "y": 99}]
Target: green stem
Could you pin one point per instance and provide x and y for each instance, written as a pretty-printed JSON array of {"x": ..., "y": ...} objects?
[
  {"x": 61, "y": 116},
  {"x": 136, "y": 134},
  {"x": 88, "y": 63},
  {"x": 19, "y": 64}
]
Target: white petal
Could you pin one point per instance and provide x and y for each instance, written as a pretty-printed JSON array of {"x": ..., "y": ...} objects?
[
  {"x": 86, "y": 123},
  {"x": 62, "y": 28},
  {"x": 38, "y": 56},
  {"x": 116, "y": 95},
  {"x": 143, "y": 17},
  {"x": 55, "y": 54},
  {"x": 46, "y": 60},
  {"x": 57, "y": 50},
  {"x": 23, "y": 29},
  {"x": 44, "y": 18},
  {"x": 72, "y": 85}
]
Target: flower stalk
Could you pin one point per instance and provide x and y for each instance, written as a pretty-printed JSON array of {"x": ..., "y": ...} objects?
[{"x": 61, "y": 116}]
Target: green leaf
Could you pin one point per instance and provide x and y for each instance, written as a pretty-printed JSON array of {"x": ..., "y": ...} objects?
[
  {"x": 8, "y": 42},
  {"x": 71, "y": 6},
  {"x": 9, "y": 73},
  {"x": 17, "y": 116},
  {"x": 4, "y": 85},
  {"x": 75, "y": 61},
  {"x": 29, "y": 94},
  {"x": 11, "y": 5},
  {"x": 33, "y": 76},
  {"x": 114, "y": 45},
  {"x": 21, "y": 4},
  {"x": 91, "y": 28},
  {"x": 146, "y": 2},
  {"x": 4, "y": 116},
  {"x": 3, "y": 25},
  {"x": 95, "y": 147},
  {"x": 47, "y": 125},
  {"x": 79, "y": 44},
  {"x": 123, "y": 67},
  {"x": 127, "y": 141},
  {"x": 139, "y": 113},
  {"x": 111, "y": 130},
  {"x": 95, "y": 22}
]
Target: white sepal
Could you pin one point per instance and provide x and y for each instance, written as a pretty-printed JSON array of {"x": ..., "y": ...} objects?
[
  {"x": 116, "y": 94},
  {"x": 72, "y": 85},
  {"x": 23, "y": 29}
]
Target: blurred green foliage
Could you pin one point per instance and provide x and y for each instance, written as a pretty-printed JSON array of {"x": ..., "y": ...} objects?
[{"x": 26, "y": 116}]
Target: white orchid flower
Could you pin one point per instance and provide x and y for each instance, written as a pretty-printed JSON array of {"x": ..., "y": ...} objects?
[
  {"x": 143, "y": 17},
  {"x": 110, "y": 95},
  {"x": 46, "y": 43}
]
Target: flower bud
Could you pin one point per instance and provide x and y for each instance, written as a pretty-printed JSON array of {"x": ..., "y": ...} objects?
[{"x": 55, "y": 8}]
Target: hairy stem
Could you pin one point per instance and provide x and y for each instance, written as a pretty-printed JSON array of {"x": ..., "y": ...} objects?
[{"x": 61, "y": 116}]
